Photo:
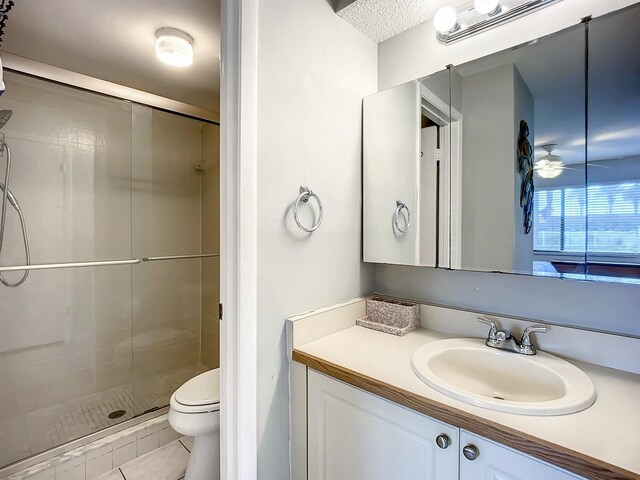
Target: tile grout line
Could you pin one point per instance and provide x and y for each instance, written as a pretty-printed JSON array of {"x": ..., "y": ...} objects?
[{"x": 185, "y": 447}]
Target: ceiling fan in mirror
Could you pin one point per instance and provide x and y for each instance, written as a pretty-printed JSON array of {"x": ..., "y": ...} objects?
[{"x": 551, "y": 166}]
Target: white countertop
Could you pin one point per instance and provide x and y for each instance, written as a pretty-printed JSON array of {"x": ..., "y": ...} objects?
[{"x": 608, "y": 431}]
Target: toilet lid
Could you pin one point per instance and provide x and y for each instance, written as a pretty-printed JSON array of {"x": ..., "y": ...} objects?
[{"x": 203, "y": 389}]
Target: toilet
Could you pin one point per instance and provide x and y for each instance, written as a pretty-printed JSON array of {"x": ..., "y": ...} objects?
[{"x": 195, "y": 411}]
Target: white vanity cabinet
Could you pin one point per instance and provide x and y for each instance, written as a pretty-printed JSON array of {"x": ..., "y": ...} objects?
[
  {"x": 488, "y": 460},
  {"x": 354, "y": 435}
]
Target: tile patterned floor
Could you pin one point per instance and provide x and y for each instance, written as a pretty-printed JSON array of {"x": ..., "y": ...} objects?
[
  {"x": 166, "y": 463},
  {"x": 53, "y": 426}
]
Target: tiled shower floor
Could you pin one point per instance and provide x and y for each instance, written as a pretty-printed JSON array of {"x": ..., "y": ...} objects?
[{"x": 52, "y": 426}]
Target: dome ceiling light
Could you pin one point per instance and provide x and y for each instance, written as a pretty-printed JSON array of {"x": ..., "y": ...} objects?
[
  {"x": 452, "y": 26},
  {"x": 174, "y": 47}
]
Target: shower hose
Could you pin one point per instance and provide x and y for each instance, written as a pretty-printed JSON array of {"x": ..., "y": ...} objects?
[{"x": 8, "y": 197}]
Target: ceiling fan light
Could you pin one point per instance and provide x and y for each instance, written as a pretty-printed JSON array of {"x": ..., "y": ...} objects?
[
  {"x": 548, "y": 169},
  {"x": 548, "y": 174}
]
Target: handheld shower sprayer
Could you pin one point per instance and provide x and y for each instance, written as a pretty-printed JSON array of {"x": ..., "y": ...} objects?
[
  {"x": 8, "y": 197},
  {"x": 11, "y": 197}
]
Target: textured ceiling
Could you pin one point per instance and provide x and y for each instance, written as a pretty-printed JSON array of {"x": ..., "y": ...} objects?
[
  {"x": 383, "y": 19},
  {"x": 114, "y": 40}
]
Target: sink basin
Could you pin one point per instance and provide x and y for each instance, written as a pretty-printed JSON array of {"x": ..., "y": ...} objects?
[{"x": 468, "y": 370}]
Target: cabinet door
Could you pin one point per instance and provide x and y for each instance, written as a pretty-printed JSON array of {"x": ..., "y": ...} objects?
[
  {"x": 497, "y": 462},
  {"x": 354, "y": 435}
]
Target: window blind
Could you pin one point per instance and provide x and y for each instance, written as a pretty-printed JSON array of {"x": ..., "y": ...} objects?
[{"x": 613, "y": 219}]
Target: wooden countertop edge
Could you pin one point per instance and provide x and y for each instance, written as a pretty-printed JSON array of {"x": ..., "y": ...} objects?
[{"x": 562, "y": 457}]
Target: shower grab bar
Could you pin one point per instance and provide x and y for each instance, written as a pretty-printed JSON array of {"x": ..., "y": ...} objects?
[
  {"x": 52, "y": 266},
  {"x": 179, "y": 257}
]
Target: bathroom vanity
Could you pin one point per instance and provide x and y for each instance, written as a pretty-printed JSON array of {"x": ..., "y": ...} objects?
[{"x": 358, "y": 410}]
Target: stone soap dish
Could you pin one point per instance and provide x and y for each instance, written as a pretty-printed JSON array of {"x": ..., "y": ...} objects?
[{"x": 390, "y": 315}]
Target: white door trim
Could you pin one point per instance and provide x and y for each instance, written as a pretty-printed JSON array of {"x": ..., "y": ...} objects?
[{"x": 238, "y": 240}]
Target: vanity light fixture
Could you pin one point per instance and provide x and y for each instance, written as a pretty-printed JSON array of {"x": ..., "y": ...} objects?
[
  {"x": 445, "y": 20},
  {"x": 487, "y": 7},
  {"x": 485, "y": 14},
  {"x": 174, "y": 47}
]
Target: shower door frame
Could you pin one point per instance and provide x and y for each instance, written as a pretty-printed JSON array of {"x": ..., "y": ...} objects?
[{"x": 24, "y": 66}]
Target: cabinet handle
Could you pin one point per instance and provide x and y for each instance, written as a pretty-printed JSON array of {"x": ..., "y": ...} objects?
[
  {"x": 471, "y": 452},
  {"x": 443, "y": 440}
]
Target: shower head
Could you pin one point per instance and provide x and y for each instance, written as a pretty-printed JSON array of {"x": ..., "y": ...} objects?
[{"x": 5, "y": 115}]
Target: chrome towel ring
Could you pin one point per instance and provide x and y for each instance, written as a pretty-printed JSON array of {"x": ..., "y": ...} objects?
[
  {"x": 305, "y": 195},
  {"x": 399, "y": 207}
]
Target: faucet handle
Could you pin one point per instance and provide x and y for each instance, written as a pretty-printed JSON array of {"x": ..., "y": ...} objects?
[
  {"x": 525, "y": 344},
  {"x": 493, "y": 330}
]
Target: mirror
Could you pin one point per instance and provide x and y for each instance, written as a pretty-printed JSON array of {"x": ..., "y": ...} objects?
[
  {"x": 522, "y": 171},
  {"x": 613, "y": 141},
  {"x": 406, "y": 139},
  {"x": 537, "y": 160}
]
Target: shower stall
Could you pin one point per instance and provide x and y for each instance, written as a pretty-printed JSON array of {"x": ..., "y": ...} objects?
[{"x": 108, "y": 257}]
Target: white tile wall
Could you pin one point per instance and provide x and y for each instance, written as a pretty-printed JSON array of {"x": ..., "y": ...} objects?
[
  {"x": 167, "y": 435},
  {"x": 99, "y": 465},
  {"x": 124, "y": 454}
]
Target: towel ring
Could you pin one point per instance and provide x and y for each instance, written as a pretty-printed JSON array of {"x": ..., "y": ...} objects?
[
  {"x": 305, "y": 195},
  {"x": 399, "y": 207}
]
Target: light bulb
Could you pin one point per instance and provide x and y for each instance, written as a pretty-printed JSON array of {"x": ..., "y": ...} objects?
[
  {"x": 174, "y": 47},
  {"x": 486, "y": 7},
  {"x": 445, "y": 19}
]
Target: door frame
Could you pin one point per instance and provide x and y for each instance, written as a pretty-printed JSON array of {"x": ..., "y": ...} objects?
[
  {"x": 238, "y": 239},
  {"x": 450, "y": 188}
]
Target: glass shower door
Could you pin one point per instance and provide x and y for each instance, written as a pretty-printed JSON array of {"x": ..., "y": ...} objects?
[
  {"x": 167, "y": 227},
  {"x": 99, "y": 179},
  {"x": 65, "y": 333}
]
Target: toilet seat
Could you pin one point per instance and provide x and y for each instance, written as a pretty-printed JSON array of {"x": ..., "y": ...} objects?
[{"x": 201, "y": 394}]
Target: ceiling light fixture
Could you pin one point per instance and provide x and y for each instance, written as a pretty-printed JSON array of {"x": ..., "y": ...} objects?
[
  {"x": 174, "y": 47},
  {"x": 549, "y": 165},
  {"x": 452, "y": 26}
]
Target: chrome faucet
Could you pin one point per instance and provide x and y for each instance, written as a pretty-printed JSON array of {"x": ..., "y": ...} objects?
[{"x": 504, "y": 339}]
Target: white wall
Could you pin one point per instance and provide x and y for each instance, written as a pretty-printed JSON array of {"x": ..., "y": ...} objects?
[
  {"x": 488, "y": 164},
  {"x": 523, "y": 110},
  {"x": 417, "y": 53},
  {"x": 313, "y": 70}
]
